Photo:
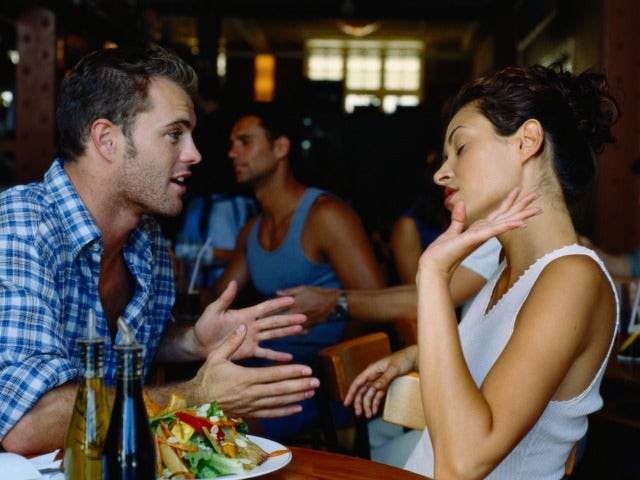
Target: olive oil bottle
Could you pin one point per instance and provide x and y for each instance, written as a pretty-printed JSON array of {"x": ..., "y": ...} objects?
[{"x": 90, "y": 418}]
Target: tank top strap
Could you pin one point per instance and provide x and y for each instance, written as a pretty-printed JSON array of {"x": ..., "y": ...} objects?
[{"x": 299, "y": 219}]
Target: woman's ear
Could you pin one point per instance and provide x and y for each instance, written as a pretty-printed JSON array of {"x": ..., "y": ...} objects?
[
  {"x": 103, "y": 137},
  {"x": 531, "y": 139}
]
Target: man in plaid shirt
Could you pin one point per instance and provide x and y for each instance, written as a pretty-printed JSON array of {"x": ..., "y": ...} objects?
[{"x": 85, "y": 239}]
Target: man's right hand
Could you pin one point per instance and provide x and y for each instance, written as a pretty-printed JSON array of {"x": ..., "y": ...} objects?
[
  {"x": 250, "y": 392},
  {"x": 317, "y": 303}
]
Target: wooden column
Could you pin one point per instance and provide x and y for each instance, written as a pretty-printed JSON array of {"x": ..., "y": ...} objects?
[
  {"x": 36, "y": 94},
  {"x": 618, "y": 210}
]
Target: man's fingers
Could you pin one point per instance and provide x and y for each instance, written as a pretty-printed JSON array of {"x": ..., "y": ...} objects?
[
  {"x": 270, "y": 307},
  {"x": 231, "y": 344},
  {"x": 287, "y": 291},
  {"x": 224, "y": 301},
  {"x": 279, "y": 321},
  {"x": 275, "y": 412},
  {"x": 278, "y": 332},
  {"x": 273, "y": 355}
]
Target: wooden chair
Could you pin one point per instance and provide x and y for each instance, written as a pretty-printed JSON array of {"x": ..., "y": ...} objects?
[
  {"x": 403, "y": 406},
  {"x": 339, "y": 365}
]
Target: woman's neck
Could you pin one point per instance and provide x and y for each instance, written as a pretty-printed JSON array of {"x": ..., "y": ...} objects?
[{"x": 543, "y": 233}]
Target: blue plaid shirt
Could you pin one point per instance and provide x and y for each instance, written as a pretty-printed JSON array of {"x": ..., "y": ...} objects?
[{"x": 49, "y": 269}]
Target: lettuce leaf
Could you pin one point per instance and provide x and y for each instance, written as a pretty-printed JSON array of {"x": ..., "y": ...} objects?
[{"x": 206, "y": 463}]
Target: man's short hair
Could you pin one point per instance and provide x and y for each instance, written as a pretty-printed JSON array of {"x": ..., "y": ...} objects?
[{"x": 114, "y": 84}]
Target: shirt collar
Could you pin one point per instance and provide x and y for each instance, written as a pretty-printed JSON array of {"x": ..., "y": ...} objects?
[{"x": 79, "y": 223}]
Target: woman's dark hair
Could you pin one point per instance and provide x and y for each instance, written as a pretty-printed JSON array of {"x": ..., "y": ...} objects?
[
  {"x": 114, "y": 84},
  {"x": 575, "y": 111}
]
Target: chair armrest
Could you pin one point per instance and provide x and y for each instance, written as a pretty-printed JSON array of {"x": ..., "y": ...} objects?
[{"x": 403, "y": 404}]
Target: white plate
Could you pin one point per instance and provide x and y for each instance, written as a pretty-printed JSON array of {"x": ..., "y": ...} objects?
[
  {"x": 271, "y": 464},
  {"x": 17, "y": 467}
]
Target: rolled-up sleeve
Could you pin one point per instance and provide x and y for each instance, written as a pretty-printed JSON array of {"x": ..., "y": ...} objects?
[{"x": 33, "y": 348}]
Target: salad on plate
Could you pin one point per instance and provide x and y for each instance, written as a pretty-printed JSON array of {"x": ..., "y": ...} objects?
[{"x": 201, "y": 442}]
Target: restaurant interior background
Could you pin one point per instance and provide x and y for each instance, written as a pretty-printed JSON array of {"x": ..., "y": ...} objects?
[{"x": 367, "y": 79}]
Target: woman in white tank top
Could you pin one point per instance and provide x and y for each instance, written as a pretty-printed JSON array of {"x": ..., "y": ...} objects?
[{"x": 507, "y": 392}]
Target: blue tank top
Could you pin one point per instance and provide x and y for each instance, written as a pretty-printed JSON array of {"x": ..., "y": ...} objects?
[{"x": 288, "y": 266}]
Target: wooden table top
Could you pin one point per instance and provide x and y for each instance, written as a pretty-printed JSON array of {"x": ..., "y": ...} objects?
[{"x": 308, "y": 464}]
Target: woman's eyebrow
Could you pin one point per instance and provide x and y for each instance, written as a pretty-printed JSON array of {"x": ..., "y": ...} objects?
[{"x": 450, "y": 138}]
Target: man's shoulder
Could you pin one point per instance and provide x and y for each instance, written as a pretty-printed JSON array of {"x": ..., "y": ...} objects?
[
  {"x": 330, "y": 209},
  {"x": 22, "y": 205}
]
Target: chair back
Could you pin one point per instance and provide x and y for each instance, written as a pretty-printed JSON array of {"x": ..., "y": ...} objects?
[
  {"x": 340, "y": 364},
  {"x": 403, "y": 404}
]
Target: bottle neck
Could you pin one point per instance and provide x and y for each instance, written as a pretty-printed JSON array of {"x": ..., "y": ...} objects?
[
  {"x": 129, "y": 363},
  {"x": 92, "y": 355}
]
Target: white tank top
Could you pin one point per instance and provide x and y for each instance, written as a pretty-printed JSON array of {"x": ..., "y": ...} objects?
[{"x": 542, "y": 453}]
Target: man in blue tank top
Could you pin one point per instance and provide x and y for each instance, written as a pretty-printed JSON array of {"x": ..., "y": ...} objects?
[{"x": 303, "y": 236}]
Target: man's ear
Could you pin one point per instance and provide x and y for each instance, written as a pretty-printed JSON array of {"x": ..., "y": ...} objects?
[
  {"x": 530, "y": 139},
  {"x": 104, "y": 136},
  {"x": 281, "y": 146}
]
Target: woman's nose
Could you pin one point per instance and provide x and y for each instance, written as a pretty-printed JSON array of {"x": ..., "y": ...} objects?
[{"x": 442, "y": 175}]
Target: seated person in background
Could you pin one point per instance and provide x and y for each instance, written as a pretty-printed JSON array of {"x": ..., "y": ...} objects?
[
  {"x": 303, "y": 235},
  {"x": 86, "y": 238},
  {"x": 416, "y": 228},
  {"x": 507, "y": 392},
  {"x": 212, "y": 222}
]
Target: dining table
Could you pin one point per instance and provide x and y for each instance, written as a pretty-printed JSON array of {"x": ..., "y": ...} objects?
[
  {"x": 309, "y": 464},
  {"x": 305, "y": 464}
]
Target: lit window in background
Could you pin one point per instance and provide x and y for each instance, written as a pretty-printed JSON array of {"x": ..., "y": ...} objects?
[
  {"x": 391, "y": 102},
  {"x": 401, "y": 72},
  {"x": 6, "y": 98},
  {"x": 364, "y": 70},
  {"x": 328, "y": 65},
  {"x": 353, "y": 100},
  {"x": 264, "y": 80},
  {"x": 377, "y": 73},
  {"x": 14, "y": 56},
  {"x": 221, "y": 60}
]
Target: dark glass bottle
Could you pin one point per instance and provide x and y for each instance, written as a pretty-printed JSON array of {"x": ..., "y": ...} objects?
[
  {"x": 90, "y": 418},
  {"x": 129, "y": 451}
]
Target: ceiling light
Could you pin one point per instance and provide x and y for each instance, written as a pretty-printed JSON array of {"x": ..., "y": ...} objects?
[{"x": 358, "y": 28}]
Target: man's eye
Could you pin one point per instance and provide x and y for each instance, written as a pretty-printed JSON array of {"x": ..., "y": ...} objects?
[{"x": 175, "y": 135}]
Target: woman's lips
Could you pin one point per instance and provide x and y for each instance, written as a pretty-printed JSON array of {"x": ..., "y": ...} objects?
[{"x": 448, "y": 193}]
